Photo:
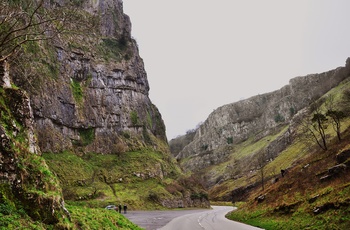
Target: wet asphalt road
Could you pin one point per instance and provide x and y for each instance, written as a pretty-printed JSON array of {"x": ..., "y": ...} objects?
[
  {"x": 152, "y": 220},
  {"x": 201, "y": 219}
]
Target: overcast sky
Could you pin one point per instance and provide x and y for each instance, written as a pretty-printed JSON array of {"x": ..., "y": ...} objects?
[{"x": 201, "y": 54}]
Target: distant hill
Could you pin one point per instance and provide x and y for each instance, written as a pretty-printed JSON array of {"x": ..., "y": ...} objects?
[{"x": 225, "y": 149}]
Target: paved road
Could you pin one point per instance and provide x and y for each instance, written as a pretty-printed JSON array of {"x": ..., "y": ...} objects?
[
  {"x": 152, "y": 220},
  {"x": 203, "y": 219}
]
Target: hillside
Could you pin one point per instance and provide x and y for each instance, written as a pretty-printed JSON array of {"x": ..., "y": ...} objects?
[
  {"x": 313, "y": 191},
  {"x": 226, "y": 147},
  {"x": 314, "y": 194}
]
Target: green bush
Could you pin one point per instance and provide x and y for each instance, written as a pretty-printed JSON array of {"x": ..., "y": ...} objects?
[
  {"x": 279, "y": 118},
  {"x": 134, "y": 118},
  {"x": 204, "y": 147},
  {"x": 77, "y": 91},
  {"x": 87, "y": 136},
  {"x": 115, "y": 48},
  {"x": 292, "y": 111}
]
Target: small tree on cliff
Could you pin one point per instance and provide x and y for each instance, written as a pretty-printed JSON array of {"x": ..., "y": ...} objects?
[
  {"x": 261, "y": 161},
  {"x": 313, "y": 126},
  {"x": 336, "y": 117},
  {"x": 317, "y": 129}
]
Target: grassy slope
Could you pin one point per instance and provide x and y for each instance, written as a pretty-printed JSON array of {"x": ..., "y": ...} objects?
[
  {"x": 99, "y": 218},
  {"x": 81, "y": 218},
  {"x": 131, "y": 178},
  {"x": 290, "y": 203},
  {"x": 240, "y": 162}
]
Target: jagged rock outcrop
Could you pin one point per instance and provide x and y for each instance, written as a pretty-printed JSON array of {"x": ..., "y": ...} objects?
[
  {"x": 257, "y": 116},
  {"x": 95, "y": 98},
  {"x": 24, "y": 175}
]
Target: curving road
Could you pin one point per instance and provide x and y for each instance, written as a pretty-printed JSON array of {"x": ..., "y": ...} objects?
[
  {"x": 209, "y": 220},
  {"x": 213, "y": 219}
]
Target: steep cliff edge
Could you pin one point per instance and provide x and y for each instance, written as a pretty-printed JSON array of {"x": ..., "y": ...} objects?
[
  {"x": 89, "y": 88},
  {"x": 91, "y": 116}
]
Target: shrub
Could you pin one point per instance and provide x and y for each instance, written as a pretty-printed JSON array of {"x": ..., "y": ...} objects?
[
  {"x": 87, "y": 136},
  {"x": 204, "y": 147},
  {"x": 152, "y": 196},
  {"x": 279, "y": 118},
  {"x": 126, "y": 135},
  {"x": 146, "y": 136},
  {"x": 77, "y": 90},
  {"x": 134, "y": 117},
  {"x": 120, "y": 148},
  {"x": 292, "y": 111}
]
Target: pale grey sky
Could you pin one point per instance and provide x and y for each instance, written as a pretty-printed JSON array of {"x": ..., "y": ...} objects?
[{"x": 201, "y": 54}]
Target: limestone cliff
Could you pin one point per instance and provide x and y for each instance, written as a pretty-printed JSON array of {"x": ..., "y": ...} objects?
[
  {"x": 256, "y": 117},
  {"x": 92, "y": 118},
  {"x": 91, "y": 92}
]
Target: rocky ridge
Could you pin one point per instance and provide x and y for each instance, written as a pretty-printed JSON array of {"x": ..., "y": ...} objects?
[{"x": 257, "y": 116}]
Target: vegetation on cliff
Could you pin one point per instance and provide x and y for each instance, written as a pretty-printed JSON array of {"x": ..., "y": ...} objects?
[{"x": 28, "y": 188}]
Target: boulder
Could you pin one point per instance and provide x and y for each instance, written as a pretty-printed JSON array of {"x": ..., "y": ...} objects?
[{"x": 343, "y": 156}]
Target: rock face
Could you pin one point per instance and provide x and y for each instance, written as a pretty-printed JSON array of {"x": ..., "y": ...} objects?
[
  {"x": 257, "y": 116},
  {"x": 23, "y": 173},
  {"x": 96, "y": 98}
]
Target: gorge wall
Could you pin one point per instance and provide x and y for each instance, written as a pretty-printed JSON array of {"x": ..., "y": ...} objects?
[
  {"x": 91, "y": 93},
  {"x": 257, "y": 116},
  {"x": 92, "y": 120}
]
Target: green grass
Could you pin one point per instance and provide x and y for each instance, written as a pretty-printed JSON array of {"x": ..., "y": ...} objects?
[
  {"x": 99, "y": 218},
  {"x": 266, "y": 219},
  {"x": 241, "y": 159},
  {"x": 252, "y": 146},
  {"x": 96, "y": 180},
  {"x": 81, "y": 218}
]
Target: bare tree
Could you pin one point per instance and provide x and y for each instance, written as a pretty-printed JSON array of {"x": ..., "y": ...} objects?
[
  {"x": 25, "y": 21},
  {"x": 262, "y": 161},
  {"x": 29, "y": 22}
]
